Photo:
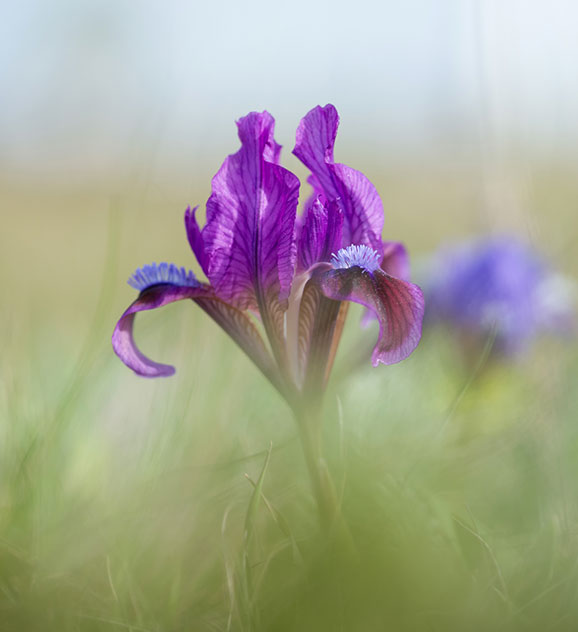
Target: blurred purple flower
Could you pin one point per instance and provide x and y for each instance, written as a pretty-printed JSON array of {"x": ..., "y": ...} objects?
[
  {"x": 498, "y": 287},
  {"x": 284, "y": 278}
]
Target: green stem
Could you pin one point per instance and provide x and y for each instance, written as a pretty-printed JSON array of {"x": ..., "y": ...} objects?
[
  {"x": 310, "y": 423},
  {"x": 333, "y": 525}
]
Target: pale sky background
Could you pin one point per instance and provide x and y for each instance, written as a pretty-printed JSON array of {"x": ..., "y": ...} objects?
[{"x": 90, "y": 87}]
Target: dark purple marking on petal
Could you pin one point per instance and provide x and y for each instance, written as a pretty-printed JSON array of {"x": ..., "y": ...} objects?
[
  {"x": 360, "y": 201},
  {"x": 321, "y": 323},
  {"x": 308, "y": 306},
  {"x": 397, "y": 304},
  {"x": 249, "y": 236},
  {"x": 195, "y": 237},
  {"x": 395, "y": 262},
  {"x": 122, "y": 338},
  {"x": 320, "y": 233}
]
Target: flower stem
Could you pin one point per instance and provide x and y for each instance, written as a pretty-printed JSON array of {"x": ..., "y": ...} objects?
[{"x": 310, "y": 423}]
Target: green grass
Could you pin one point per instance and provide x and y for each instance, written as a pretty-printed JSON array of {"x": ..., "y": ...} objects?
[{"x": 185, "y": 505}]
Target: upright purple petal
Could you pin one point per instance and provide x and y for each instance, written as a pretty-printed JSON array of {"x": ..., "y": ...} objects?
[
  {"x": 363, "y": 210},
  {"x": 195, "y": 237},
  {"x": 320, "y": 233},
  {"x": 272, "y": 151},
  {"x": 249, "y": 236},
  {"x": 398, "y": 305},
  {"x": 395, "y": 260}
]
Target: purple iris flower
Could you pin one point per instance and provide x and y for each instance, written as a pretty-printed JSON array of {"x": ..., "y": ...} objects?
[
  {"x": 279, "y": 284},
  {"x": 498, "y": 287}
]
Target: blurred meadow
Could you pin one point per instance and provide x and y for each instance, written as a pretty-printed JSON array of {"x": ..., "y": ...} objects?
[{"x": 184, "y": 504}]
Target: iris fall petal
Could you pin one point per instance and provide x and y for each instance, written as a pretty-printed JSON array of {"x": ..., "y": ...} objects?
[
  {"x": 398, "y": 306},
  {"x": 150, "y": 298}
]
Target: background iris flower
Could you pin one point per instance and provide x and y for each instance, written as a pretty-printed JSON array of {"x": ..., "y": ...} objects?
[
  {"x": 500, "y": 288},
  {"x": 281, "y": 278}
]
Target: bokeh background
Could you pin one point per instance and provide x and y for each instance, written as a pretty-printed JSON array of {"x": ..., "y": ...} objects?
[{"x": 123, "y": 501}]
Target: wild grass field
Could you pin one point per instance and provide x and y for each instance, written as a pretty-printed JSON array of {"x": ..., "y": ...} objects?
[{"x": 184, "y": 504}]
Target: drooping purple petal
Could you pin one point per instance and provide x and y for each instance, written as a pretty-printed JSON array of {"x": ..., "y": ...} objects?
[
  {"x": 165, "y": 283},
  {"x": 320, "y": 233},
  {"x": 397, "y": 304},
  {"x": 249, "y": 236},
  {"x": 363, "y": 210},
  {"x": 395, "y": 262},
  {"x": 153, "y": 296},
  {"x": 195, "y": 237}
]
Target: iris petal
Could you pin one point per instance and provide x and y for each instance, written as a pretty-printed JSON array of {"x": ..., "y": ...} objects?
[
  {"x": 150, "y": 298},
  {"x": 360, "y": 201},
  {"x": 165, "y": 283},
  {"x": 320, "y": 233},
  {"x": 395, "y": 260},
  {"x": 249, "y": 236},
  {"x": 243, "y": 331},
  {"x": 195, "y": 237},
  {"x": 321, "y": 322},
  {"x": 397, "y": 304}
]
